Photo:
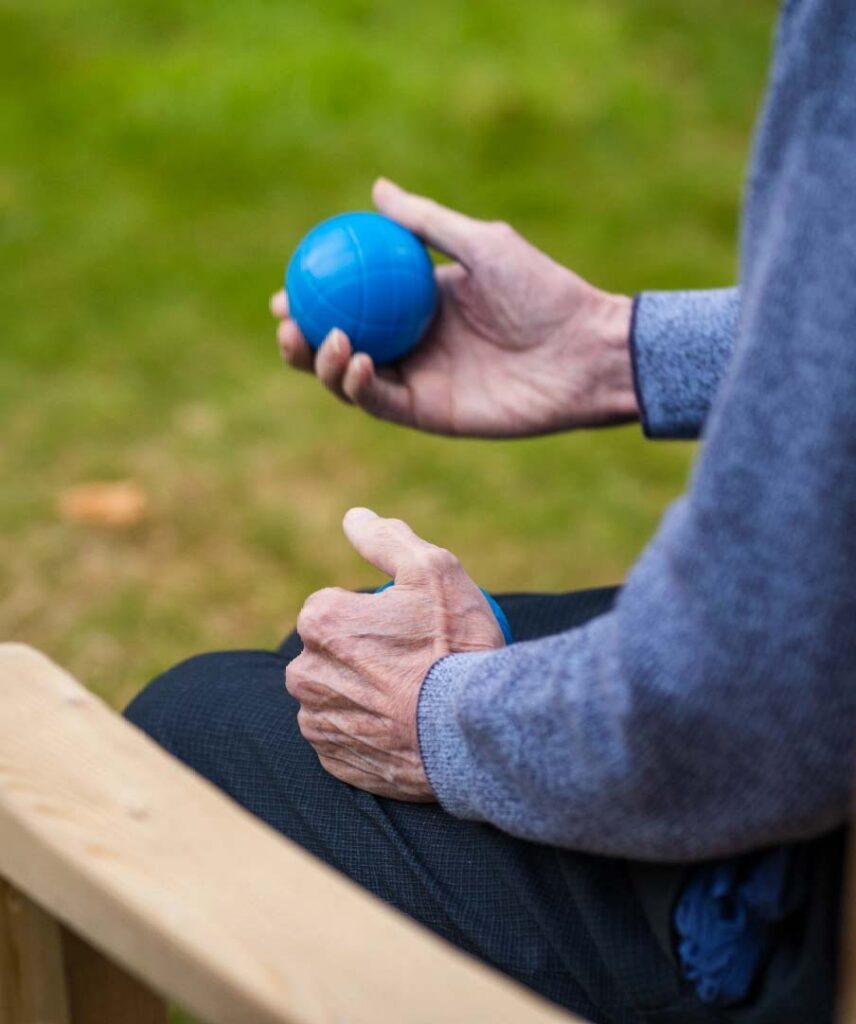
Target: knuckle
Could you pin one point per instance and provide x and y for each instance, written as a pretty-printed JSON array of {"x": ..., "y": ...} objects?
[
  {"x": 304, "y": 724},
  {"x": 420, "y": 561},
  {"x": 501, "y": 230},
  {"x": 446, "y": 559},
  {"x": 332, "y": 767},
  {"x": 317, "y": 614},
  {"x": 294, "y": 680},
  {"x": 306, "y": 623},
  {"x": 436, "y": 559},
  {"x": 496, "y": 235},
  {"x": 337, "y": 645}
]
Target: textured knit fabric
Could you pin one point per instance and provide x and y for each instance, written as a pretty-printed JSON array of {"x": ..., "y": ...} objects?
[
  {"x": 580, "y": 929},
  {"x": 712, "y": 711},
  {"x": 681, "y": 343}
]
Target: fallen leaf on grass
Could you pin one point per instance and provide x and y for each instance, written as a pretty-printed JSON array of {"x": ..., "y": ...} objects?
[{"x": 119, "y": 504}]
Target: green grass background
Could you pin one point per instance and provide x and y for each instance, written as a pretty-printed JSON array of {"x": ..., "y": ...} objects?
[{"x": 160, "y": 158}]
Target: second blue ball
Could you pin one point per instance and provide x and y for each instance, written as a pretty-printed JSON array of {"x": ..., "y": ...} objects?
[{"x": 368, "y": 276}]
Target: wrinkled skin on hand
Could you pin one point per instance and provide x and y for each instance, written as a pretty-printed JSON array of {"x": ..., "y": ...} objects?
[
  {"x": 365, "y": 656},
  {"x": 520, "y": 344}
]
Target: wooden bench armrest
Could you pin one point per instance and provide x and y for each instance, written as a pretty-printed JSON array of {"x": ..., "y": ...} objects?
[{"x": 161, "y": 872}]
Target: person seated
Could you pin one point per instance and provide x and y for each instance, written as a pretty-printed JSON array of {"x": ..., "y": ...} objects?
[{"x": 638, "y": 807}]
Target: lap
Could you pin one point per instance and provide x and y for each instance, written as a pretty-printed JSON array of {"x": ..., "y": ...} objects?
[{"x": 565, "y": 923}]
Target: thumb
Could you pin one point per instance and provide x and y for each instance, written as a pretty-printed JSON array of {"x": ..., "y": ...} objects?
[
  {"x": 387, "y": 544},
  {"x": 446, "y": 230}
]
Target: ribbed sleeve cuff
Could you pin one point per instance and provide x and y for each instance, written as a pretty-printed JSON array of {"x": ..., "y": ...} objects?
[
  {"x": 451, "y": 769},
  {"x": 680, "y": 344}
]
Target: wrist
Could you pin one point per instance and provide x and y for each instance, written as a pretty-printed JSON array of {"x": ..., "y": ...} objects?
[{"x": 611, "y": 391}]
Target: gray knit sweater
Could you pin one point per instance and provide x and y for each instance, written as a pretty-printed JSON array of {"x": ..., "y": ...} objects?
[{"x": 713, "y": 710}]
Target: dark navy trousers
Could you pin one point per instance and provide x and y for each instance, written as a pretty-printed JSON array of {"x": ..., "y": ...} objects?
[{"x": 588, "y": 932}]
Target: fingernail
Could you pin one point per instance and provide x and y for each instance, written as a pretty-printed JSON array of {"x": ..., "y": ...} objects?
[{"x": 333, "y": 341}]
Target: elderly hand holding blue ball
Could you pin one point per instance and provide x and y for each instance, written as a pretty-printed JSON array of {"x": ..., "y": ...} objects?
[
  {"x": 517, "y": 345},
  {"x": 365, "y": 655}
]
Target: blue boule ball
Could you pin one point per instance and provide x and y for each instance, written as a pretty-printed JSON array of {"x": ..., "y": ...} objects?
[
  {"x": 498, "y": 613},
  {"x": 366, "y": 275}
]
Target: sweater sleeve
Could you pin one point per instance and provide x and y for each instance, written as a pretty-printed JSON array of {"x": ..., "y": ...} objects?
[
  {"x": 712, "y": 711},
  {"x": 681, "y": 343}
]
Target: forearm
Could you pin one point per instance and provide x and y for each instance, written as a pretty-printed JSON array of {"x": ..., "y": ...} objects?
[
  {"x": 712, "y": 711},
  {"x": 708, "y": 714}
]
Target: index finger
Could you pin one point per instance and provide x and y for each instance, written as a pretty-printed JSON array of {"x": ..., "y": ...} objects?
[{"x": 293, "y": 347}]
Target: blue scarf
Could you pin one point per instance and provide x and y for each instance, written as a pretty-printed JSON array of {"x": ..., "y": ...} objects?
[{"x": 727, "y": 915}]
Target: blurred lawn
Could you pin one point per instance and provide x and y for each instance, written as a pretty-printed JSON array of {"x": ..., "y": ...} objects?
[{"x": 161, "y": 158}]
